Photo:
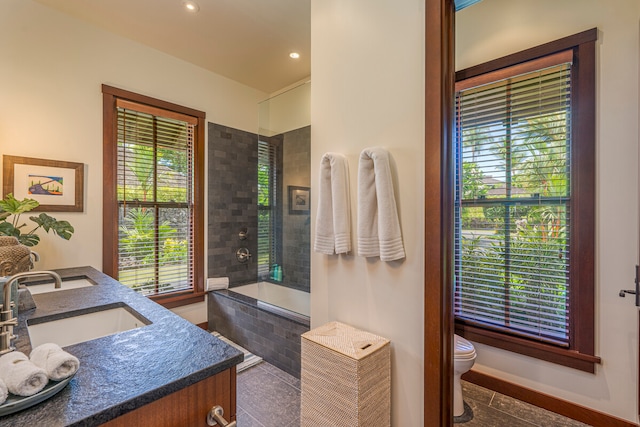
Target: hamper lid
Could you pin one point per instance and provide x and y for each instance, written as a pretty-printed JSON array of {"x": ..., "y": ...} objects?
[{"x": 346, "y": 339}]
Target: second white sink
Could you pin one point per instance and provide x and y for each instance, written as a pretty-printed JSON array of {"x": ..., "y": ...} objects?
[
  {"x": 84, "y": 327},
  {"x": 42, "y": 288}
]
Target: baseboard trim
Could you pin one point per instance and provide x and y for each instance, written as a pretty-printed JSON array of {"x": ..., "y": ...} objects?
[{"x": 546, "y": 401}]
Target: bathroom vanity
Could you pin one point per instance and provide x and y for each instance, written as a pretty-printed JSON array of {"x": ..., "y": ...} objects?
[{"x": 164, "y": 369}]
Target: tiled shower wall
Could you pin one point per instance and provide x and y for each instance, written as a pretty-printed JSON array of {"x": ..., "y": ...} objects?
[
  {"x": 233, "y": 160},
  {"x": 233, "y": 202}
]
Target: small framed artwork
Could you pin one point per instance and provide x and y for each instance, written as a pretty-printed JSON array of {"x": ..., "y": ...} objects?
[
  {"x": 299, "y": 199},
  {"x": 58, "y": 186}
]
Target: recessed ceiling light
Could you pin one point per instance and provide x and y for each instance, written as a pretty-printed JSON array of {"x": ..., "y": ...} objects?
[
  {"x": 294, "y": 55},
  {"x": 191, "y": 6}
]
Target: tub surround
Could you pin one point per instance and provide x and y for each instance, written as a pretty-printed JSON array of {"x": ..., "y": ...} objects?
[
  {"x": 263, "y": 329},
  {"x": 122, "y": 372}
]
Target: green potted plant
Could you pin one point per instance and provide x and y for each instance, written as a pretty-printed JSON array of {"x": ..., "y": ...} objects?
[{"x": 10, "y": 225}]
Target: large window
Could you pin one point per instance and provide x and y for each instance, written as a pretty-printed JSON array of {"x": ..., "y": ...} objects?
[
  {"x": 152, "y": 205},
  {"x": 524, "y": 202}
]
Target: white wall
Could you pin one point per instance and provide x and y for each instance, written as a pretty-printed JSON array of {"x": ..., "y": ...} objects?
[
  {"x": 494, "y": 28},
  {"x": 51, "y": 72},
  {"x": 368, "y": 72}
]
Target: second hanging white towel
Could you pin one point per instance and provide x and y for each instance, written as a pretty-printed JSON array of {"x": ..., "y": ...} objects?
[
  {"x": 333, "y": 219},
  {"x": 378, "y": 225}
]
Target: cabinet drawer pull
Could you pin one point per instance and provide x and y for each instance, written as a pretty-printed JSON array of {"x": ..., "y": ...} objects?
[{"x": 214, "y": 418}]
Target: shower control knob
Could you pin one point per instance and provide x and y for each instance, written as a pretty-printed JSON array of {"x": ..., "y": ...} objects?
[{"x": 243, "y": 255}]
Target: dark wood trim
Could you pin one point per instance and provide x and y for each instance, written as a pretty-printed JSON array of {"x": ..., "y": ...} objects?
[
  {"x": 109, "y": 186},
  {"x": 438, "y": 251},
  {"x": 154, "y": 102},
  {"x": 199, "y": 201},
  {"x": 548, "y": 402},
  {"x": 538, "y": 350},
  {"x": 203, "y": 325},
  {"x": 111, "y": 95},
  {"x": 583, "y": 187},
  {"x": 174, "y": 300},
  {"x": 526, "y": 55}
]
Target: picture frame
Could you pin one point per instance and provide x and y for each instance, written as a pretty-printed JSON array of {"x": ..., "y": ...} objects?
[
  {"x": 57, "y": 185},
  {"x": 299, "y": 200}
]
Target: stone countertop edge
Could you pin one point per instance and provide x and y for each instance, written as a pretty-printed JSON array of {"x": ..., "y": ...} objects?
[{"x": 121, "y": 372}]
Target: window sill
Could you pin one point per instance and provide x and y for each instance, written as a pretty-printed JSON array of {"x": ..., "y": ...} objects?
[
  {"x": 550, "y": 353},
  {"x": 178, "y": 299}
]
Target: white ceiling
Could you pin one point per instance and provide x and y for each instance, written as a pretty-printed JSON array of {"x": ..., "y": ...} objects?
[{"x": 248, "y": 41}]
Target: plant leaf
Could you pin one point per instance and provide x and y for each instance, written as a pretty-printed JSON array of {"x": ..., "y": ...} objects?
[
  {"x": 7, "y": 229},
  {"x": 62, "y": 228},
  {"x": 29, "y": 239},
  {"x": 12, "y": 205}
]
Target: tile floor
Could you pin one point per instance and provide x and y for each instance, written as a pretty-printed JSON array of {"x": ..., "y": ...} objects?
[
  {"x": 496, "y": 410},
  {"x": 269, "y": 397}
]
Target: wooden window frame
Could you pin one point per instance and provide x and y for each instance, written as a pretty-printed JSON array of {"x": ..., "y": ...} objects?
[
  {"x": 581, "y": 352},
  {"x": 109, "y": 196}
]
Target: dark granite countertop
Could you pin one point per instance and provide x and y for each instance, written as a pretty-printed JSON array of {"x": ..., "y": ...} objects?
[{"x": 121, "y": 372}]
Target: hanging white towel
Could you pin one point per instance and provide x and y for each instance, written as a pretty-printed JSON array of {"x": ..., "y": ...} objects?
[
  {"x": 378, "y": 225},
  {"x": 333, "y": 220}
]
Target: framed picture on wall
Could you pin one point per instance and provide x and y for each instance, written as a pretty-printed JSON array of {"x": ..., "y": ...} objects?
[
  {"x": 299, "y": 200},
  {"x": 57, "y": 185}
]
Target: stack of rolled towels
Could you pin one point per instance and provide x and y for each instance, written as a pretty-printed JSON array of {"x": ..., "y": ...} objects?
[{"x": 26, "y": 376}]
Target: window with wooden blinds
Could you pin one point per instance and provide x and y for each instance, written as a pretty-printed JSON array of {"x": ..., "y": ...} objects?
[
  {"x": 157, "y": 222},
  {"x": 267, "y": 201},
  {"x": 523, "y": 207}
]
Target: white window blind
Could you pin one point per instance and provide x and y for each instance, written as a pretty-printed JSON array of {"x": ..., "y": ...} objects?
[
  {"x": 155, "y": 200},
  {"x": 267, "y": 201},
  {"x": 512, "y": 205}
]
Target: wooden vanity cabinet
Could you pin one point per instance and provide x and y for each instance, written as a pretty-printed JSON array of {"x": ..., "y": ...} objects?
[{"x": 187, "y": 407}]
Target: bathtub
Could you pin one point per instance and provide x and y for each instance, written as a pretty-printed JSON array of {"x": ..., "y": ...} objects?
[
  {"x": 265, "y": 318},
  {"x": 277, "y": 296}
]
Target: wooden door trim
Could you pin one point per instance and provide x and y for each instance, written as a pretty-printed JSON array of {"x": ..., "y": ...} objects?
[{"x": 439, "y": 180}]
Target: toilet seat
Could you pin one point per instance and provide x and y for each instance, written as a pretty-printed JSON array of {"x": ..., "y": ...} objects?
[{"x": 463, "y": 349}]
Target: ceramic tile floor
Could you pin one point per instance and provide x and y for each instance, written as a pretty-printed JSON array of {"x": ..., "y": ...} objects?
[
  {"x": 497, "y": 410},
  {"x": 269, "y": 397}
]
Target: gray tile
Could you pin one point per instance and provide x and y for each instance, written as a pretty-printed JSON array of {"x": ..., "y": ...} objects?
[
  {"x": 267, "y": 398},
  {"x": 475, "y": 392},
  {"x": 288, "y": 378},
  {"x": 486, "y": 416},
  {"x": 245, "y": 420},
  {"x": 294, "y": 423},
  {"x": 525, "y": 411}
]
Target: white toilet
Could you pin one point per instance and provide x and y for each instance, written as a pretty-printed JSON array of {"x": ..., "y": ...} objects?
[{"x": 464, "y": 356}]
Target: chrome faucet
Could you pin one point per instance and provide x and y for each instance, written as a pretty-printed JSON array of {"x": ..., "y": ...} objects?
[{"x": 7, "y": 320}]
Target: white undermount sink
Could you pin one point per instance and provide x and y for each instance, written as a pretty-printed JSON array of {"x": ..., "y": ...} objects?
[
  {"x": 107, "y": 320},
  {"x": 42, "y": 288}
]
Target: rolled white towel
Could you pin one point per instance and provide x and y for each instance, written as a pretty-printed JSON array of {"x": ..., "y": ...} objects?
[
  {"x": 4, "y": 392},
  {"x": 21, "y": 377},
  {"x": 57, "y": 363}
]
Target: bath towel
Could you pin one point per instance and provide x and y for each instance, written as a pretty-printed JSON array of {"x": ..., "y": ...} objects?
[
  {"x": 378, "y": 225},
  {"x": 57, "y": 363},
  {"x": 22, "y": 377},
  {"x": 4, "y": 393},
  {"x": 333, "y": 220}
]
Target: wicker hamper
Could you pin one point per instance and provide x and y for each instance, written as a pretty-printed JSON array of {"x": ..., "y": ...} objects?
[{"x": 346, "y": 378}]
